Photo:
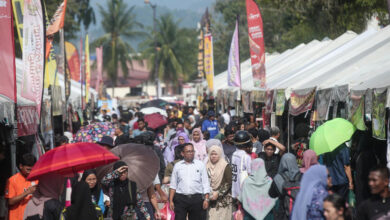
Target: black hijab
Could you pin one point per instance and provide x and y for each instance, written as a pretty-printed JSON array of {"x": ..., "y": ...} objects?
[
  {"x": 81, "y": 203},
  {"x": 121, "y": 195},
  {"x": 95, "y": 191}
]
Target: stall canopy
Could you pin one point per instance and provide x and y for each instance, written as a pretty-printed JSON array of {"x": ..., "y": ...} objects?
[{"x": 356, "y": 61}]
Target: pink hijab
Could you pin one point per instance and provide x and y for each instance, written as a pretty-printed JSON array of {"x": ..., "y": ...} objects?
[
  {"x": 50, "y": 186},
  {"x": 200, "y": 146},
  {"x": 309, "y": 159}
]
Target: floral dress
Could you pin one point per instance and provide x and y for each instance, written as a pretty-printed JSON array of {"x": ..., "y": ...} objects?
[
  {"x": 315, "y": 210},
  {"x": 108, "y": 181}
]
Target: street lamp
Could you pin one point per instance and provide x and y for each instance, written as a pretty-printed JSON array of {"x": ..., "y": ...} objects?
[{"x": 154, "y": 6}]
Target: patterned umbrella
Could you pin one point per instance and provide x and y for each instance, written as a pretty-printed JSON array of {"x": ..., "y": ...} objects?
[
  {"x": 71, "y": 158},
  {"x": 155, "y": 120},
  {"x": 94, "y": 132}
]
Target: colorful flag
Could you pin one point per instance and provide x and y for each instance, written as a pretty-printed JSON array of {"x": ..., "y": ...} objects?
[
  {"x": 256, "y": 43},
  {"x": 200, "y": 55},
  {"x": 73, "y": 60},
  {"x": 99, "y": 61},
  {"x": 33, "y": 52},
  {"x": 87, "y": 70},
  {"x": 51, "y": 70},
  {"x": 18, "y": 5},
  {"x": 234, "y": 73},
  {"x": 57, "y": 22},
  {"x": 208, "y": 60},
  {"x": 7, "y": 52}
]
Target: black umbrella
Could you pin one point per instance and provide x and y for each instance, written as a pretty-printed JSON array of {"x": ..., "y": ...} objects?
[{"x": 159, "y": 103}]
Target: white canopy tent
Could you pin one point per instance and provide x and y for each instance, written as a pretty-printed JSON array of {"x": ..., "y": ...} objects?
[{"x": 359, "y": 61}]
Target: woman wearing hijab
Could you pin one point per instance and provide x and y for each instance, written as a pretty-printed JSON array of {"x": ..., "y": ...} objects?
[
  {"x": 44, "y": 203},
  {"x": 169, "y": 152},
  {"x": 81, "y": 204},
  {"x": 288, "y": 173},
  {"x": 309, "y": 202},
  {"x": 220, "y": 174},
  {"x": 254, "y": 197},
  {"x": 97, "y": 196},
  {"x": 309, "y": 159},
  {"x": 199, "y": 145},
  {"x": 123, "y": 194},
  {"x": 215, "y": 142}
]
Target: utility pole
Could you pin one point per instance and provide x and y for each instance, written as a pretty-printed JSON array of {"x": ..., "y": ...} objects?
[{"x": 154, "y": 7}]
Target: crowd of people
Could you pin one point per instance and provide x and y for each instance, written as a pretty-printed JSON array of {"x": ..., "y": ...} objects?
[{"x": 212, "y": 167}]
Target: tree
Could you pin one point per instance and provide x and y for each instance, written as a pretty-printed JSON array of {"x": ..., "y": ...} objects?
[
  {"x": 176, "y": 52},
  {"x": 289, "y": 23},
  {"x": 118, "y": 22},
  {"x": 86, "y": 14}
]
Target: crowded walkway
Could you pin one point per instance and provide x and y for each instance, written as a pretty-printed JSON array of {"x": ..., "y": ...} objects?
[{"x": 210, "y": 166}]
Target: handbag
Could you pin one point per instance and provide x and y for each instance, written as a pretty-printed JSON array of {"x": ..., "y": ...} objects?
[
  {"x": 244, "y": 173},
  {"x": 239, "y": 214},
  {"x": 167, "y": 213}
]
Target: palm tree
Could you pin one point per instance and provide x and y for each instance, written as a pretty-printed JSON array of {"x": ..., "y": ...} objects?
[
  {"x": 173, "y": 43},
  {"x": 86, "y": 14},
  {"x": 119, "y": 24}
]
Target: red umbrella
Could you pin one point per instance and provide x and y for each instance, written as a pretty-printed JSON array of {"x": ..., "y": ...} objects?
[
  {"x": 71, "y": 158},
  {"x": 155, "y": 120}
]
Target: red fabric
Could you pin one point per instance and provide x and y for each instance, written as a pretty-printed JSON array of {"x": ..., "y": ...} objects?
[
  {"x": 70, "y": 158},
  {"x": 7, "y": 53},
  {"x": 256, "y": 43},
  {"x": 167, "y": 213}
]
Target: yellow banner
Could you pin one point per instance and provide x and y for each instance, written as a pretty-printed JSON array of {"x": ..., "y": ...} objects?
[
  {"x": 50, "y": 70},
  {"x": 18, "y": 6},
  {"x": 87, "y": 70},
  {"x": 208, "y": 61}
]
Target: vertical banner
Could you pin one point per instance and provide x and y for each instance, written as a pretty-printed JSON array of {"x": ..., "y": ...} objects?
[
  {"x": 201, "y": 55},
  {"x": 87, "y": 70},
  {"x": 33, "y": 52},
  {"x": 18, "y": 5},
  {"x": 99, "y": 62},
  {"x": 7, "y": 52},
  {"x": 208, "y": 61},
  {"x": 234, "y": 73},
  {"x": 57, "y": 22},
  {"x": 81, "y": 73},
  {"x": 256, "y": 43},
  {"x": 73, "y": 61}
]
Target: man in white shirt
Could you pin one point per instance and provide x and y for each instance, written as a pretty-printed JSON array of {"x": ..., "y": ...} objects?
[
  {"x": 190, "y": 187},
  {"x": 275, "y": 134},
  {"x": 241, "y": 160}
]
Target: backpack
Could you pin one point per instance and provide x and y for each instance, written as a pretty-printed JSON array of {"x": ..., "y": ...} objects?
[{"x": 290, "y": 192}]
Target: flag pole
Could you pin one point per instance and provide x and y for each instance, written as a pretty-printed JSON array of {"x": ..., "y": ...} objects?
[{"x": 238, "y": 47}]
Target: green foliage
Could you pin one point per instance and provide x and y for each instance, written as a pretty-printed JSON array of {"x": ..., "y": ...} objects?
[
  {"x": 289, "y": 23},
  {"x": 176, "y": 53},
  {"x": 119, "y": 23}
]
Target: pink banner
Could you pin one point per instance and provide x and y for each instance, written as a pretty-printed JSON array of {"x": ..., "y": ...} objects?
[
  {"x": 28, "y": 120},
  {"x": 33, "y": 52},
  {"x": 256, "y": 43},
  {"x": 234, "y": 74},
  {"x": 99, "y": 60},
  {"x": 7, "y": 52}
]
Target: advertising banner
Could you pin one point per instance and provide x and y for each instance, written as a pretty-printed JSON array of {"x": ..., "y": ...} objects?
[
  {"x": 99, "y": 61},
  {"x": 301, "y": 101},
  {"x": 256, "y": 43},
  {"x": 87, "y": 70},
  {"x": 28, "y": 120},
  {"x": 33, "y": 52},
  {"x": 234, "y": 72},
  {"x": 208, "y": 61},
  {"x": 7, "y": 52},
  {"x": 73, "y": 61},
  {"x": 17, "y": 6},
  {"x": 280, "y": 102}
]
